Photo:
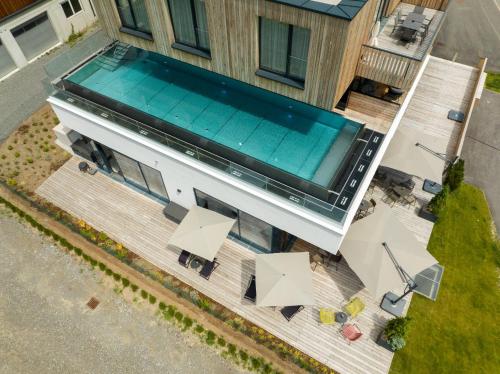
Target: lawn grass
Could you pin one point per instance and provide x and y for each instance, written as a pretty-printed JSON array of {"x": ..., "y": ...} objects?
[
  {"x": 459, "y": 332},
  {"x": 493, "y": 82}
]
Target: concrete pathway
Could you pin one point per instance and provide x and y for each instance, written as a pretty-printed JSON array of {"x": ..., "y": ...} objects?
[
  {"x": 481, "y": 150},
  {"x": 46, "y": 327},
  {"x": 25, "y": 91}
]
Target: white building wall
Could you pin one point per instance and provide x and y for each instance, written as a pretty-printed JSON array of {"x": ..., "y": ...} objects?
[
  {"x": 61, "y": 25},
  {"x": 181, "y": 174}
]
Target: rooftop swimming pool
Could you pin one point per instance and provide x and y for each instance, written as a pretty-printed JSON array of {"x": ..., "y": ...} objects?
[{"x": 296, "y": 138}]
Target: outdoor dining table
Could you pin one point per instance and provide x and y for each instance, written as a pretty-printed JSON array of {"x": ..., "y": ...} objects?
[
  {"x": 411, "y": 25},
  {"x": 401, "y": 191}
]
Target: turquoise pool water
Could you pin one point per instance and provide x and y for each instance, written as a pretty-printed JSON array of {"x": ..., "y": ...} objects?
[{"x": 297, "y": 138}]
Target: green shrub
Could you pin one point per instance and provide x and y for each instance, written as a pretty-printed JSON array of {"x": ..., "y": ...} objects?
[
  {"x": 178, "y": 316},
  {"x": 438, "y": 202},
  {"x": 152, "y": 299},
  {"x": 134, "y": 287},
  {"x": 144, "y": 294},
  {"x": 455, "y": 175},
  {"x": 231, "y": 349},
  {"x": 93, "y": 262},
  {"x": 255, "y": 363},
  {"x": 17, "y": 154},
  {"x": 10, "y": 148},
  {"x": 199, "y": 329},
  {"x": 102, "y": 266},
  {"x": 396, "y": 331},
  {"x": 125, "y": 282},
  {"x": 86, "y": 257},
  {"x": 170, "y": 312},
  {"x": 210, "y": 338},
  {"x": 109, "y": 272},
  {"x": 243, "y": 355},
  {"x": 204, "y": 304},
  {"x": 221, "y": 341},
  {"x": 102, "y": 236},
  {"x": 162, "y": 305},
  {"x": 55, "y": 120},
  {"x": 78, "y": 251},
  {"x": 117, "y": 276},
  {"x": 187, "y": 322}
]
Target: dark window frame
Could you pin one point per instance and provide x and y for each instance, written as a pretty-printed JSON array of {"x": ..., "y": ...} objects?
[
  {"x": 194, "y": 49},
  {"x": 286, "y": 78},
  {"x": 71, "y": 7},
  {"x": 133, "y": 30}
]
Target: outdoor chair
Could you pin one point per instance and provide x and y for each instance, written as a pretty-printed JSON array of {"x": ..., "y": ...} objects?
[
  {"x": 208, "y": 268},
  {"x": 410, "y": 200},
  {"x": 391, "y": 198},
  {"x": 251, "y": 292},
  {"x": 290, "y": 311},
  {"x": 185, "y": 258},
  {"x": 354, "y": 307},
  {"x": 351, "y": 332},
  {"x": 326, "y": 316}
]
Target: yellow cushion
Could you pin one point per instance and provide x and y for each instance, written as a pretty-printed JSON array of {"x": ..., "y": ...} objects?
[
  {"x": 326, "y": 316},
  {"x": 354, "y": 307}
]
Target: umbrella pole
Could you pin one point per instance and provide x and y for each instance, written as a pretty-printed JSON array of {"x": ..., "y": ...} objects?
[{"x": 391, "y": 302}]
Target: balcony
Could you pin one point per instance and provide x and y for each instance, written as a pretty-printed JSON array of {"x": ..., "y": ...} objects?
[{"x": 389, "y": 60}]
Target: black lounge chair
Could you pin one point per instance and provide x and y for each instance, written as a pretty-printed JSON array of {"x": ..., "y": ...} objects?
[
  {"x": 185, "y": 258},
  {"x": 208, "y": 268},
  {"x": 290, "y": 311},
  {"x": 251, "y": 292}
]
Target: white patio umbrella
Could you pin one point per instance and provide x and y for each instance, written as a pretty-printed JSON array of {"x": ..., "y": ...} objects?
[
  {"x": 416, "y": 153},
  {"x": 283, "y": 279},
  {"x": 379, "y": 246},
  {"x": 202, "y": 232}
]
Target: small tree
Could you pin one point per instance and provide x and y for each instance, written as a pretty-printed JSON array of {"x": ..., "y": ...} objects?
[
  {"x": 439, "y": 200},
  {"x": 396, "y": 330},
  {"x": 455, "y": 175}
]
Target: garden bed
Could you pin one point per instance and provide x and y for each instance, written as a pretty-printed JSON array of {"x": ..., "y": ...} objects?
[{"x": 29, "y": 155}]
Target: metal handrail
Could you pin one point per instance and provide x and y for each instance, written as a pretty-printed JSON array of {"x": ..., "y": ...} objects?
[{"x": 289, "y": 193}]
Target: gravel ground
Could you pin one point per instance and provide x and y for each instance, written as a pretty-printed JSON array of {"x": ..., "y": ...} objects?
[{"x": 46, "y": 327}]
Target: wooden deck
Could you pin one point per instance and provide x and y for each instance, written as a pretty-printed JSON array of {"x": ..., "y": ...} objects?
[
  {"x": 138, "y": 222},
  {"x": 389, "y": 42}
]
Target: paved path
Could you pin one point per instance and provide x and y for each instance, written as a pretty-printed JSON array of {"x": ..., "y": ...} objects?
[
  {"x": 25, "y": 91},
  {"x": 481, "y": 150},
  {"x": 45, "y": 326},
  {"x": 471, "y": 30}
]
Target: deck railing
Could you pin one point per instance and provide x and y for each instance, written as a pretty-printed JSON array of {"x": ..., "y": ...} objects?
[{"x": 387, "y": 67}]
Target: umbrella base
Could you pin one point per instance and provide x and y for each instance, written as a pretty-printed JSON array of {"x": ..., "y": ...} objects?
[{"x": 395, "y": 309}]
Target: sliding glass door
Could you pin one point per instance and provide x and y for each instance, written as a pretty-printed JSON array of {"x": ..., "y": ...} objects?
[
  {"x": 248, "y": 229},
  {"x": 131, "y": 171}
]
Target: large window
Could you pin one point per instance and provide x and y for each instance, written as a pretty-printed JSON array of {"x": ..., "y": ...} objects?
[
  {"x": 189, "y": 19},
  {"x": 71, "y": 7},
  {"x": 134, "y": 17},
  {"x": 248, "y": 229},
  {"x": 283, "y": 52}
]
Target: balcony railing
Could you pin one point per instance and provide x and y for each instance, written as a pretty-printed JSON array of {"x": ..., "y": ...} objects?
[
  {"x": 387, "y": 67},
  {"x": 237, "y": 171}
]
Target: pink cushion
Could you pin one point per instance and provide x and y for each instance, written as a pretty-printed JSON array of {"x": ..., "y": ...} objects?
[{"x": 351, "y": 332}]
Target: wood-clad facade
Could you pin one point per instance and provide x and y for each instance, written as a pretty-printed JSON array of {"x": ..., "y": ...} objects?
[
  {"x": 8, "y": 7},
  {"x": 233, "y": 26}
]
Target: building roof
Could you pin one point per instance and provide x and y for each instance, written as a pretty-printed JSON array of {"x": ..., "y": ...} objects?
[{"x": 346, "y": 9}]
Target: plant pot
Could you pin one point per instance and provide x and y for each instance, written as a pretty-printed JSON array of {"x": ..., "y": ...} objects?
[
  {"x": 382, "y": 341},
  {"x": 425, "y": 213}
]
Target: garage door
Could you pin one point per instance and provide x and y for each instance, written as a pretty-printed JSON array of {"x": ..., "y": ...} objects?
[
  {"x": 6, "y": 62},
  {"x": 35, "y": 36}
]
